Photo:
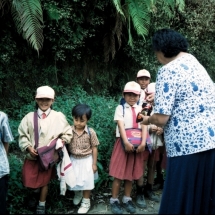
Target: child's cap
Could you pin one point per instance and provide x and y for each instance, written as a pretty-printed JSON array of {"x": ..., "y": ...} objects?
[
  {"x": 151, "y": 88},
  {"x": 45, "y": 92},
  {"x": 132, "y": 87},
  {"x": 143, "y": 72}
]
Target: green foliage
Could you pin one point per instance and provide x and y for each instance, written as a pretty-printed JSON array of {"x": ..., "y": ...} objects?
[
  {"x": 16, "y": 191},
  {"x": 28, "y": 18}
]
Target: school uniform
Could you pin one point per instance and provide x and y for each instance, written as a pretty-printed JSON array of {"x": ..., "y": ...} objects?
[
  {"x": 80, "y": 149},
  {"x": 123, "y": 165},
  {"x": 54, "y": 125}
]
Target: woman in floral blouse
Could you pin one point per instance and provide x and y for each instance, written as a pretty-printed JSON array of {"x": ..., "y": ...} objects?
[{"x": 185, "y": 108}]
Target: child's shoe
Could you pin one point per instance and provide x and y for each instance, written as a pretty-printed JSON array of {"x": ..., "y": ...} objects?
[
  {"x": 116, "y": 208},
  {"x": 129, "y": 207},
  {"x": 41, "y": 210},
  {"x": 78, "y": 196},
  {"x": 85, "y": 206}
]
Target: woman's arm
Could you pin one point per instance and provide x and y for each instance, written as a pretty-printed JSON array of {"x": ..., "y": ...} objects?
[{"x": 156, "y": 119}]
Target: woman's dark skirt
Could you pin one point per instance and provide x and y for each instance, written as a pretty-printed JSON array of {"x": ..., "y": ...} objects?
[{"x": 190, "y": 184}]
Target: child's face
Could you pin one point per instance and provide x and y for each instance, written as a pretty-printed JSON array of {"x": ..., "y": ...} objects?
[
  {"x": 80, "y": 123},
  {"x": 131, "y": 98},
  {"x": 44, "y": 103},
  {"x": 143, "y": 82}
]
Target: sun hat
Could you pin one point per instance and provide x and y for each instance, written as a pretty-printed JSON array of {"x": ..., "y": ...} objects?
[
  {"x": 132, "y": 87},
  {"x": 45, "y": 92},
  {"x": 151, "y": 88},
  {"x": 143, "y": 73}
]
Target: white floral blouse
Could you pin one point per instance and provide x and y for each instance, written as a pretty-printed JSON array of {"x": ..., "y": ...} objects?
[{"x": 186, "y": 93}]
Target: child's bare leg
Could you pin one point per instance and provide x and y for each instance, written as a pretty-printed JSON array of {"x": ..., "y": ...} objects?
[
  {"x": 115, "y": 187},
  {"x": 86, "y": 194},
  {"x": 128, "y": 188},
  {"x": 43, "y": 193}
]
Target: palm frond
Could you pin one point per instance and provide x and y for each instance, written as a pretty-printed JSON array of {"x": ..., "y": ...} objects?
[
  {"x": 140, "y": 16},
  {"x": 28, "y": 18},
  {"x": 118, "y": 7}
]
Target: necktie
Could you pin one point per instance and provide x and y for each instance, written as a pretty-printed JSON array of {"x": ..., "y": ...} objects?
[
  {"x": 43, "y": 116},
  {"x": 135, "y": 125}
]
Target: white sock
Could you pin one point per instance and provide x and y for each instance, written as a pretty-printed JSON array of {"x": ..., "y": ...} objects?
[
  {"x": 112, "y": 200},
  {"x": 42, "y": 203},
  {"x": 125, "y": 199}
]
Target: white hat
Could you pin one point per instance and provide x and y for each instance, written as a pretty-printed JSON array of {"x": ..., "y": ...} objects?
[
  {"x": 132, "y": 87},
  {"x": 143, "y": 72},
  {"x": 45, "y": 92},
  {"x": 151, "y": 88}
]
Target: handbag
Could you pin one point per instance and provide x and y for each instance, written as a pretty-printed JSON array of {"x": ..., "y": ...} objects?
[
  {"x": 48, "y": 156},
  {"x": 134, "y": 136}
]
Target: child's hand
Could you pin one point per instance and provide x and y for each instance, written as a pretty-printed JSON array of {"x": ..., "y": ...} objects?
[
  {"x": 140, "y": 148},
  {"x": 159, "y": 131},
  {"x": 129, "y": 147},
  {"x": 32, "y": 151},
  {"x": 153, "y": 128},
  {"x": 94, "y": 168}
]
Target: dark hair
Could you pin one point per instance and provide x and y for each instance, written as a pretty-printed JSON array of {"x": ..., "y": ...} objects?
[
  {"x": 169, "y": 42},
  {"x": 81, "y": 109}
]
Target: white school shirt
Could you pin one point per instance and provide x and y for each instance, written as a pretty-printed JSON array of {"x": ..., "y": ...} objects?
[{"x": 127, "y": 118}]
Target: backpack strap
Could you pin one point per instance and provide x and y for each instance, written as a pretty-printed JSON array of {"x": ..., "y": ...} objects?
[{"x": 89, "y": 131}]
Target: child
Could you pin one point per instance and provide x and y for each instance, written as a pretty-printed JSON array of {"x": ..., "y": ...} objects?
[
  {"x": 143, "y": 79},
  {"x": 157, "y": 140},
  {"x": 5, "y": 138},
  {"x": 126, "y": 164},
  {"x": 83, "y": 154},
  {"x": 51, "y": 124}
]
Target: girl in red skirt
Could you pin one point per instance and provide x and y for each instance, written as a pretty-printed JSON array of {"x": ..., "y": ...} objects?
[
  {"x": 51, "y": 124},
  {"x": 127, "y": 163}
]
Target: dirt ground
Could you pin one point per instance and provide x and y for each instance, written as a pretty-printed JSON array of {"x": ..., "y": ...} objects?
[{"x": 100, "y": 204}]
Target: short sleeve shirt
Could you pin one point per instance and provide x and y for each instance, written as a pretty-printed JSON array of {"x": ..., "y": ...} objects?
[
  {"x": 81, "y": 145},
  {"x": 5, "y": 137},
  {"x": 186, "y": 93},
  {"x": 125, "y": 114}
]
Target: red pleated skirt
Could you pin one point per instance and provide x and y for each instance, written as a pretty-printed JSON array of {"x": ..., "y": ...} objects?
[
  {"x": 32, "y": 177},
  {"x": 126, "y": 166}
]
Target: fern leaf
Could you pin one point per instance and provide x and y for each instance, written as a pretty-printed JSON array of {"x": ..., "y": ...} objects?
[
  {"x": 28, "y": 18},
  {"x": 118, "y": 7},
  {"x": 140, "y": 16}
]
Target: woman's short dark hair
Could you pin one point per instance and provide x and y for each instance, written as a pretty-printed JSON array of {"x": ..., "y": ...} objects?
[
  {"x": 169, "y": 42},
  {"x": 81, "y": 109}
]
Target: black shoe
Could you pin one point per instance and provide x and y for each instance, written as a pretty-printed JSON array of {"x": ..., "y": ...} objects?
[
  {"x": 41, "y": 210},
  {"x": 129, "y": 207},
  {"x": 151, "y": 196},
  {"x": 116, "y": 208},
  {"x": 140, "y": 201}
]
